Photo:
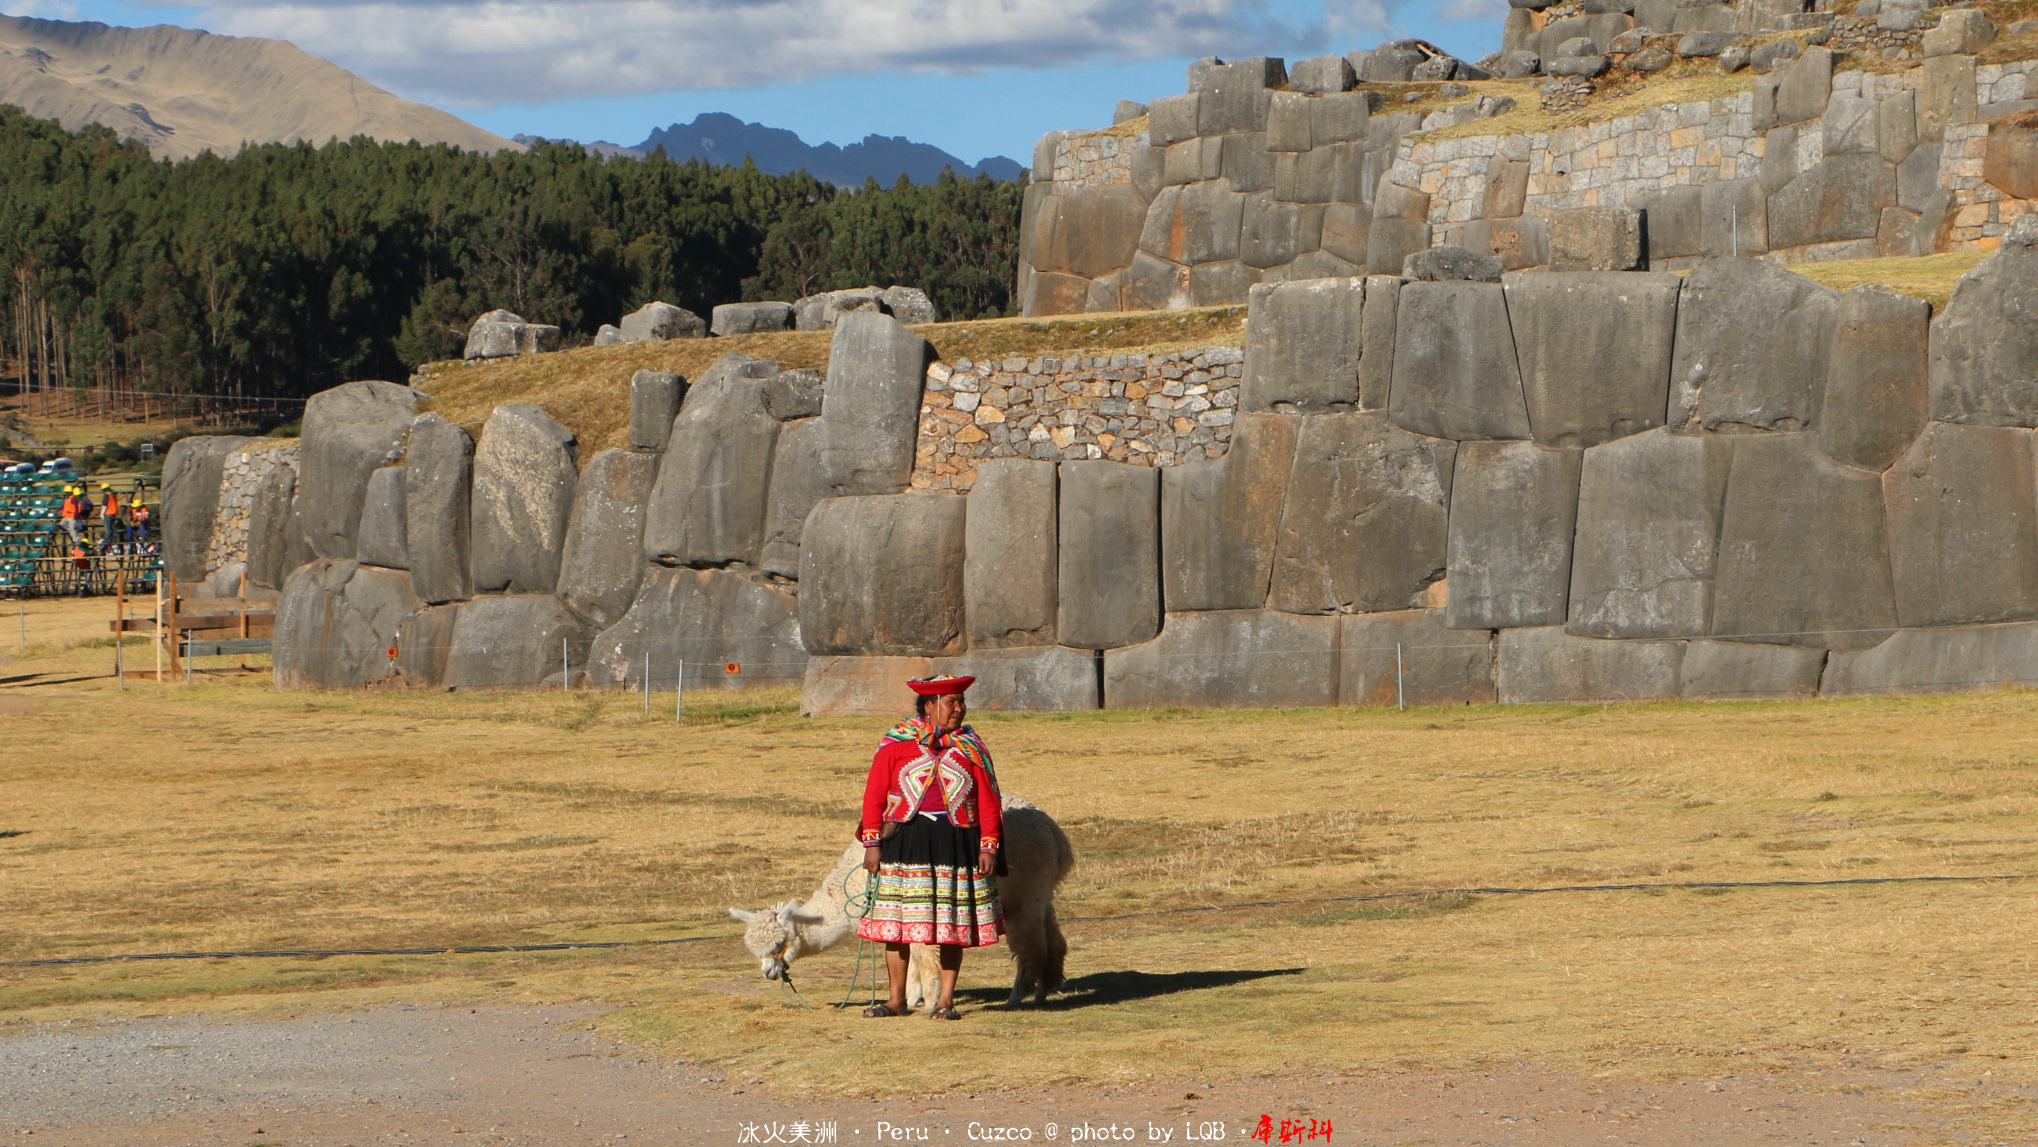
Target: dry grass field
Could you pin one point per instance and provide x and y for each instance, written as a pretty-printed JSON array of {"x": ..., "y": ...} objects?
[{"x": 224, "y": 815}]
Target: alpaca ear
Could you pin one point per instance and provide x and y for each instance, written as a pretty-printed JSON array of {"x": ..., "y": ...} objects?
[{"x": 743, "y": 914}]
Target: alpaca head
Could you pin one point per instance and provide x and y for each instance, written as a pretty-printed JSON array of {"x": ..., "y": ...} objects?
[{"x": 772, "y": 937}]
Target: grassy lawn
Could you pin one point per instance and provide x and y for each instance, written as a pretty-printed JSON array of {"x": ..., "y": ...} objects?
[{"x": 225, "y": 815}]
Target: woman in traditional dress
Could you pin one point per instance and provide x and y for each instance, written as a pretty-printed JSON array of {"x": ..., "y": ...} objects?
[{"x": 930, "y": 831}]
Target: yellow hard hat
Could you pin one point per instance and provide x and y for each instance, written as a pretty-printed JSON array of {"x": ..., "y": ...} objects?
[{"x": 106, "y": 485}]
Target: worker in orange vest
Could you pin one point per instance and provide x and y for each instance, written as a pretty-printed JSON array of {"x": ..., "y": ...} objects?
[
  {"x": 76, "y": 509},
  {"x": 138, "y": 521},
  {"x": 110, "y": 515}
]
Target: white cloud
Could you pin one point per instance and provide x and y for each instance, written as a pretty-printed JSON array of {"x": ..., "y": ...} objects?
[{"x": 535, "y": 51}]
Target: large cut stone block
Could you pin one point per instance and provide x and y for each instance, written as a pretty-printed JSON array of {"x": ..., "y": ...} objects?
[
  {"x": 1549, "y": 666},
  {"x": 1595, "y": 239},
  {"x": 1409, "y": 657},
  {"x": 863, "y": 686},
  {"x": 883, "y": 575},
  {"x": 2011, "y": 163},
  {"x": 1513, "y": 508},
  {"x": 1938, "y": 661},
  {"x": 1878, "y": 383},
  {"x": 798, "y": 483},
  {"x": 1752, "y": 347},
  {"x": 1594, "y": 352},
  {"x": 1804, "y": 89},
  {"x": 1198, "y": 223},
  {"x": 1221, "y": 517},
  {"x": 870, "y": 409},
  {"x": 1456, "y": 374},
  {"x": 525, "y": 469},
  {"x": 437, "y": 504},
  {"x": 423, "y": 643},
  {"x": 1839, "y": 198},
  {"x": 272, "y": 528},
  {"x": 603, "y": 560},
  {"x": 336, "y": 622},
  {"x": 1648, "y": 535},
  {"x": 384, "y": 537},
  {"x": 1365, "y": 524},
  {"x": 521, "y": 641},
  {"x": 1303, "y": 343},
  {"x": 1985, "y": 343},
  {"x": 708, "y": 620},
  {"x": 1109, "y": 561},
  {"x": 1095, "y": 230},
  {"x": 1011, "y": 567},
  {"x": 1055, "y": 679},
  {"x": 1235, "y": 659},
  {"x": 1963, "y": 526},
  {"x": 1376, "y": 358},
  {"x": 1742, "y": 671},
  {"x": 655, "y": 396},
  {"x": 1803, "y": 556},
  {"x": 350, "y": 432},
  {"x": 192, "y": 473},
  {"x": 750, "y": 318},
  {"x": 708, "y": 506}
]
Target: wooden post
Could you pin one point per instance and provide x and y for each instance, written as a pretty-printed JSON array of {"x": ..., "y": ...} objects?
[
  {"x": 159, "y": 626},
  {"x": 168, "y": 633},
  {"x": 120, "y": 630},
  {"x": 244, "y": 614}
]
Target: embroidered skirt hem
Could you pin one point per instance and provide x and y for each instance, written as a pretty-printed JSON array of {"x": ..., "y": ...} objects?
[{"x": 927, "y": 890}]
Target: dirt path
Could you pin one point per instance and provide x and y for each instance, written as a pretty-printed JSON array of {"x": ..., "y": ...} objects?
[{"x": 537, "y": 1075}]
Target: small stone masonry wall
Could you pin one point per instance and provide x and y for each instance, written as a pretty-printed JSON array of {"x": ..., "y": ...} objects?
[
  {"x": 1147, "y": 410},
  {"x": 241, "y": 475}
]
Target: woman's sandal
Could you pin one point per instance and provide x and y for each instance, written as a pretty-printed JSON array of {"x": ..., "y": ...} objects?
[
  {"x": 948, "y": 1013},
  {"x": 881, "y": 1011}
]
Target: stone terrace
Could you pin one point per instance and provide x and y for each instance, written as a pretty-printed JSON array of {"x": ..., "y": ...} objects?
[{"x": 1147, "y": 410}]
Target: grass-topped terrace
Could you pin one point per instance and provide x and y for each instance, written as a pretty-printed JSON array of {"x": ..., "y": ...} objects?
[{"x": 588, "y": 388}]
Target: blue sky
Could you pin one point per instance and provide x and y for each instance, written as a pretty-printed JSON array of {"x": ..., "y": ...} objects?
[{"x": 975, "y": 77}]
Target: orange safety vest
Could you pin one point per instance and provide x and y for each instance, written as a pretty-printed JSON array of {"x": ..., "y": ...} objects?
[
  {"x": 71, "y": 506},
  {"x": 112, "y": 504},
  {"x": 140, "y": 513}
]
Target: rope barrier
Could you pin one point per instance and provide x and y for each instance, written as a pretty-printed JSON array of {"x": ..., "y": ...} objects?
[{"x": 309, "y": 953}]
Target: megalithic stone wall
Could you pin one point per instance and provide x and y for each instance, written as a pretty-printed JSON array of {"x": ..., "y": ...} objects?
[
  {"x": 1242, "y": 181},
  {"x": 1560, "y": 487}
]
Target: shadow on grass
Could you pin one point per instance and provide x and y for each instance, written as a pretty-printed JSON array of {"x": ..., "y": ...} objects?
[{"x": 1125, "y": 987}]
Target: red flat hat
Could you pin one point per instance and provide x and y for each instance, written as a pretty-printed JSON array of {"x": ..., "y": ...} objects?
[{"x": 941, "y": 686}]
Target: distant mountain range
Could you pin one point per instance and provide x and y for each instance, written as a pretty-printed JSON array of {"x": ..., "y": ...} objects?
[
  {"x": 719, "y": 138},
  {"x": 181, "y": 91}
]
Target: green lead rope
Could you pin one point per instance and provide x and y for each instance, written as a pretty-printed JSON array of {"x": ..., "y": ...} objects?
[{"x": 855, "y": 907}]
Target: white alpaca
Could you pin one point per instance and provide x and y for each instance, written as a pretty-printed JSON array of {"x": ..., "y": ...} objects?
[{"x": 1037, "y": 857}]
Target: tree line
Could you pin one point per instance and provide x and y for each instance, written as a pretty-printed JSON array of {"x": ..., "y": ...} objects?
[{"x": 290, "y": 268}]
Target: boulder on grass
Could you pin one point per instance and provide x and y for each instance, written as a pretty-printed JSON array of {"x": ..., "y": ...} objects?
[
  {"x": 659, "y": 322},
  {"x": 751, "y": 318},
  {"x": 438, "y": 509}
]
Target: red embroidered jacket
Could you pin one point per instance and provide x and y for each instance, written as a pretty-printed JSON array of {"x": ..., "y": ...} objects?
[{"x": 899, "y": 776}]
